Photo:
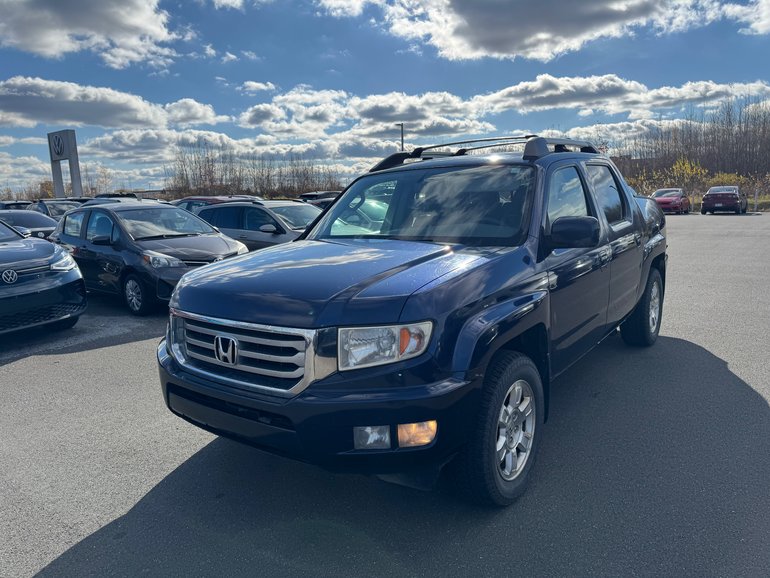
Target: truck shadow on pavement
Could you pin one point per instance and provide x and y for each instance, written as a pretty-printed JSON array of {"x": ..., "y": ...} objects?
[{"x": 653, "y": 462}]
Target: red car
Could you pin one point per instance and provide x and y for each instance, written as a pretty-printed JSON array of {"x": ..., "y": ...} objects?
[
  {"x": 727, "y": 198},
  {"x": 672, "y": 200}
]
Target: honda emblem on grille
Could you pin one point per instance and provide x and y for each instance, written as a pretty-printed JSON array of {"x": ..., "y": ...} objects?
[
  {"x": 10, "y": 276},
  {"x": 225, "y": 349}
]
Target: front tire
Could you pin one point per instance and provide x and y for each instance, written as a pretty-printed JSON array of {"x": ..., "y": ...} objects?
[
  {"x": 643, "y": 326},
  {"x": 136, "y": 296},
  {"x": 65, "y": 324},
  {"x": 495, "y": 465}
]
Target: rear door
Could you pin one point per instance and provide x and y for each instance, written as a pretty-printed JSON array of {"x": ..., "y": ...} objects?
[
  {"x": 625, "y": 238},
  {"x": 69, "y": 234},
  {"x": 226, "y": 218}
]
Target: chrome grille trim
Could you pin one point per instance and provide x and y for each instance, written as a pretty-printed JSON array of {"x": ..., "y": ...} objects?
[{"x": 290, "y": 347}]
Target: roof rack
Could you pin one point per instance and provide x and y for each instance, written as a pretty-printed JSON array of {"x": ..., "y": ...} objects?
[{"x": 534, "y": 147}]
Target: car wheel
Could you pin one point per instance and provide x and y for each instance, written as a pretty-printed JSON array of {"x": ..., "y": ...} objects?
[
  {"x": 495, "y": 465},
  {"x": 65, "y": 323},
  {"x": 136, "y": 296},
  {"x": 738, "y": 211},
  {"x": 703, "y": 211},
  {"x": 642, "y": 327}
]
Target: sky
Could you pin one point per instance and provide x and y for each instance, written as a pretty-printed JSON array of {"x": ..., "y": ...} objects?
[{"x": 328, "y": 80}]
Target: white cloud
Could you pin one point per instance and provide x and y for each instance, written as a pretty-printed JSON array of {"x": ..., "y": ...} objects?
[
  {"x": 756, "y": 14},
  {"x": 470, "y": 29},
  {"x": 252, "y": 87},
  {"x": 209, "y": 51},
  {"x": 229, "y": 57},
  {"x": 187, "y": 112},
  {"x": 6, "y": 140},
  {"x": 28, "y": 102},
  {"x": 250, "y": 55},
  {"x": 122, "y": 32}
]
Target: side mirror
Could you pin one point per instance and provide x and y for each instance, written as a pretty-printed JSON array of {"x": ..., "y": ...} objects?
[
  {"x": 23, "y": 231},
  {"x": 101, "y": 240},
  {"x": 269, "y": 228},
  {"x": 573, "y": 232}
]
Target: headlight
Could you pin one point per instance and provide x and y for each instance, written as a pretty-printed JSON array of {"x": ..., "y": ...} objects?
[
  {"x": 242, "y": 249},
  {"x": 159, "y": 260},
  {"x": 63, "y": 262},
  {"x": 368, "y": 346}
]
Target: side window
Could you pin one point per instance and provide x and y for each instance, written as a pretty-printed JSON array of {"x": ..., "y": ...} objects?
[
  {"x": 607, "y": 193},
  {"x": 73, "y": 223},
  {"x": 99, "y": 225},
  {"x": 255, "y": 218},
  {"x": 566, "y": 195},
  {"x": 224, "y": 217}
]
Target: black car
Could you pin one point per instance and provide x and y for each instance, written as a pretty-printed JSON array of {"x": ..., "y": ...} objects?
[
  {"x": 40, "y": 284},
  {"x": 53, "y": 208},
  {"x": 260, "y": 224},
  {"x": 140, "y": 249},
  {"x": 38, "y": 225},
  {"x": 432, "y": 336},
  {"x": 11, "y": 204}
]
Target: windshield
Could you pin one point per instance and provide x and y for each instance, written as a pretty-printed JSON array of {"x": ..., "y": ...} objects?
[
  {"x": 484, "y": 205},
  {"x": 297, "y": 216},
  {"x": 26, "y": 219},
  {"x": 7, "y": 234},
  {"x": 162, "y": 222},
  {"x": 721, "y": 190},
  {"x": 58, "y": 209},
  {"x": 666, "y": 193}
]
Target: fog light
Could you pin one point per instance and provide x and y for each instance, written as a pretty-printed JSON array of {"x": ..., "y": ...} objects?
[
  {"x": 371, "y": 437},
  {"x": 416, "y": 434}
]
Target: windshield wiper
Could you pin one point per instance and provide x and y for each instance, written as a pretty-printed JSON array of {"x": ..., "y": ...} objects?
[{"x": 166, "y": 236}]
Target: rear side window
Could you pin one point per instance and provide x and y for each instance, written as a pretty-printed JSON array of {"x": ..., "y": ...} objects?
[
  {"x": 224, "y": 217},
  {"x": 73, "y": 223},
  {"x": 566, "y": 195},
  {"x": 607, "y": 193}
]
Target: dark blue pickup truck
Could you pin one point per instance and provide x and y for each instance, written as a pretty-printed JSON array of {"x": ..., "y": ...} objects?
[{"x": 429, "y": 338}]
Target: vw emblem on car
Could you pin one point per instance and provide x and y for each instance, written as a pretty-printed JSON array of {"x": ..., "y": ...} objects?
[
  {"x": 10, "y": 276},
  {"x": 225, "y": 349}
]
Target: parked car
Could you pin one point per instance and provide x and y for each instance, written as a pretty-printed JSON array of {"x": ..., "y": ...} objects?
[
  {"x": 53, "y": 208},
  {"x": 672, "y": 201},
  {"x": 316, "y": 195},
  {"x": 140, "y": 250},
  {"x": 724, "y": 198},
  {"x": 434, "y": 339},
  {"x": 40, "y": 284},
  {"x": 260, "y": 224},
  {"x": 38, "y": 225},
  {"x": 11, "y": 204},
  {"x": 196, "y": 202}
]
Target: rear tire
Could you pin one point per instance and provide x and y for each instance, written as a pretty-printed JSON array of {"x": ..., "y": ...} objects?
[
  {"x": 642, "y": 327},
  {"x": 703, "y": 211},
  {"x": 136, "y": 296},
  {"x": 494, "y": 466}
]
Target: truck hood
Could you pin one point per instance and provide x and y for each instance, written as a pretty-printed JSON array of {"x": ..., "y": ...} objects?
[{"x": 311, "y": 284}]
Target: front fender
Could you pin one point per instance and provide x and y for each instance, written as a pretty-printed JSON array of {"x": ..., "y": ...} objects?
[{"x": 485, "y": 333}]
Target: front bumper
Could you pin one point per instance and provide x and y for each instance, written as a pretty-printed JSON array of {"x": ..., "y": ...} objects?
[
  {"x": 52, "y": 297},
  {"x": 317, "y": 425}
]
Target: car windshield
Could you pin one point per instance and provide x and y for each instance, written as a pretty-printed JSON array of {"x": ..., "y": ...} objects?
[
  {"x": 297, "y": 216},
  {"x": 58, "y": 209},
  {"x": 485, "y": 205},
  {"x": 26, "y": 219},
  {"x": 162, "y": 223},
  {"x": 666, "y": 193},
  {"x": 7, "y": 234},
  {"x": 721, "y": 190}
]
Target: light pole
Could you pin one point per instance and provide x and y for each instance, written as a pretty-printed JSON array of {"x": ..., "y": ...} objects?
[{"x": 401, "y": 124}]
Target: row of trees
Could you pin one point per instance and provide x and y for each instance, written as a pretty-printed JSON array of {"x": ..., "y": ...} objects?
[
  {"x": 728, "y": 146},
  {"x": 203, "y": 169}
]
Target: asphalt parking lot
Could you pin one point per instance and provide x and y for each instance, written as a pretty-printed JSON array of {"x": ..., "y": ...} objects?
[{"x": 654, "y": 462}]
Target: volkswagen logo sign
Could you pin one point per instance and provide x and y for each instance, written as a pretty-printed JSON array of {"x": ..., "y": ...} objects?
[
  {"x": 58, "y": 145},
  {"x": 225, "y": 350},
  {"x": 9, "y": 276}
]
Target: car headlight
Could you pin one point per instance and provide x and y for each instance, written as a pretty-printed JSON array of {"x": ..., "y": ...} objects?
[
  {"x": 242, "y": 249},
  {"x": 159, "y": 260},
  {"x": 63, "y": 262},
  {"x": 368, "y": 346}
]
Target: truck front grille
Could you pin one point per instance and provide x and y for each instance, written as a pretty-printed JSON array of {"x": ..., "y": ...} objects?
[{"x": 275, "y": 360}]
